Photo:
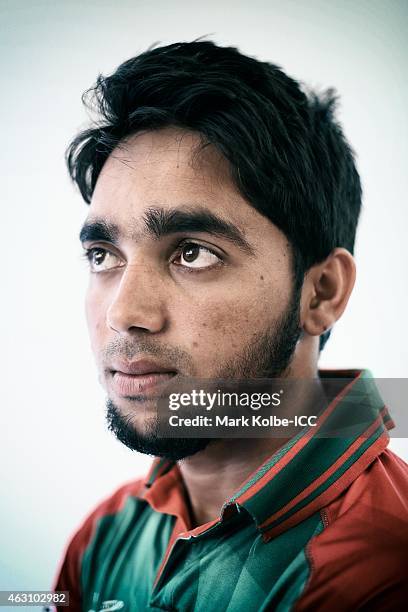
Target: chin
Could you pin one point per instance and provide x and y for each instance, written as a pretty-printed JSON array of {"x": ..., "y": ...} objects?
[{"x": 141, "y": 435}]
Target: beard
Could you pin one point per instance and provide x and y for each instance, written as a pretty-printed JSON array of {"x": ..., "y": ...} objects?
[{"x": 268, "y": 356}]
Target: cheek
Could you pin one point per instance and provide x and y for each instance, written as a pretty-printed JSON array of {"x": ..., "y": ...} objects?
[
  {"x": 217, "y": 328},
  {"x": 95, "y": 317}
]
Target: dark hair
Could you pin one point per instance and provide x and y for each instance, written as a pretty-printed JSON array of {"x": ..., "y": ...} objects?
[{"x": 288, "y": 155}]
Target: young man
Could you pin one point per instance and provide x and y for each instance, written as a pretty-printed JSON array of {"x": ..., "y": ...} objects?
[{"x": 223, "y": 210}]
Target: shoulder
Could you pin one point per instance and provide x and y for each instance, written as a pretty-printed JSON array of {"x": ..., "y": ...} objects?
[
  {"x": 111, "y": 505},
  {"x": 68, "y": 575},
  {"x": 378, "y": 497},
  {"x": 362, "y": 552},
  {"x": 116, "y": 500}
]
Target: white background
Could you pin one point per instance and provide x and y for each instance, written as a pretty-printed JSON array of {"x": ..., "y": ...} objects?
[{"x": 58, "y": 460}]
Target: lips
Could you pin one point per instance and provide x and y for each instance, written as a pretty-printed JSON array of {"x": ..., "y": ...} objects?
[{"x": 141, "y": 377}]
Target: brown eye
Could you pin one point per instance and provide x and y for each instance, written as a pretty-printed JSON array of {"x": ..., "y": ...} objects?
[
  {"x": 190, "y": 252},
  {"x": 195, "y": 255},
  {"x": 101, "y": 260},
  {"x": 97, "y": 257}
]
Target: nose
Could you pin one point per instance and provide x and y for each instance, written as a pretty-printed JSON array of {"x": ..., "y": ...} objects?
[{"x": 138, "y": 302}]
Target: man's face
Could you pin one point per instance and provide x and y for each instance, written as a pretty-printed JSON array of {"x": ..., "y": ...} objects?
[{"x": 187, "y": 279}]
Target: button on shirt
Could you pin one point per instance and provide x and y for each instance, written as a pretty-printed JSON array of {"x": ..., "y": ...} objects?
[{"x": 322, "y": 524}]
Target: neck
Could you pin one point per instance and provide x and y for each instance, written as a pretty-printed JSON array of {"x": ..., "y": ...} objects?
[{"x": 214, "y": 474}]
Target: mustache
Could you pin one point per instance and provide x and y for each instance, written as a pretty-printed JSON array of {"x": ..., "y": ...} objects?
[{"x": 133, "y": 348}]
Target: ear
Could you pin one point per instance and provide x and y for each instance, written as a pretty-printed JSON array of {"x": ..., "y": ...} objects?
[{"x": 326, "y": 291}]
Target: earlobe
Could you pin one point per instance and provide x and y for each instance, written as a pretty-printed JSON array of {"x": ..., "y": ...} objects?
[
  {"x": 319, "y": 320},
  {"x": 327, "y": 288}
]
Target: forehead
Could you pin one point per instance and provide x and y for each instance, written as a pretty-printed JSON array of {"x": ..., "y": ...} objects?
[
  {"x": 169, "y": 169},
  {"x": 163, "y": 168}
]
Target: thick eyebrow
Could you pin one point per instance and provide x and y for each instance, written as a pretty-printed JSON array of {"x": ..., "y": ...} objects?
[
  {"x": 162, "y": 222},
  {"x": 99, "y": 229},
  {"x": 159, "y": 222}
]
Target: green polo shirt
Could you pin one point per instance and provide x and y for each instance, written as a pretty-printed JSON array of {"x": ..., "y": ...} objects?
[{"x": 320, "y": 525}]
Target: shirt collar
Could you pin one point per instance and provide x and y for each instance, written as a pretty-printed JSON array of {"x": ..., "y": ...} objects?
[{"x": 304, "y": 475}]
